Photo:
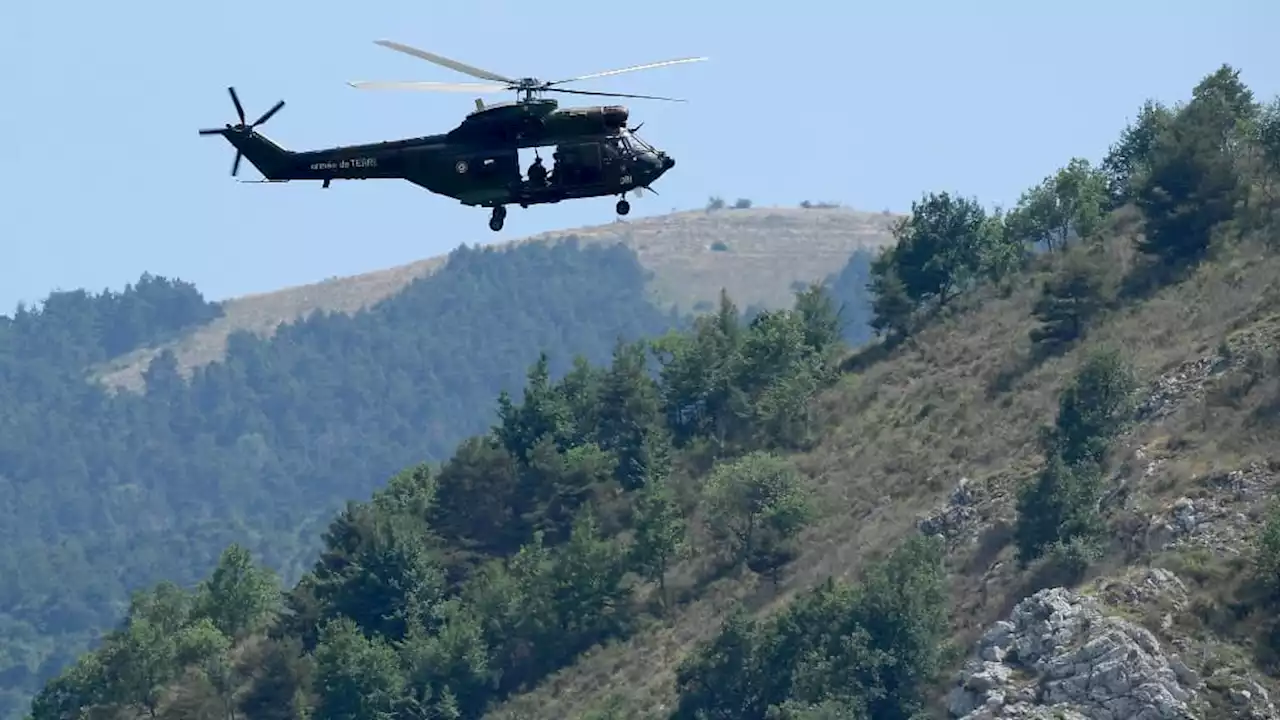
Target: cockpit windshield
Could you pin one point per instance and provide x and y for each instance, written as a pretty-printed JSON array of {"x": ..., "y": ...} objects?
[{"x": 629, "y": 144}]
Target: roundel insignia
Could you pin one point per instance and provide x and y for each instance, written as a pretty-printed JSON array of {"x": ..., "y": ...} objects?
[{"x": 461, "y": 167}]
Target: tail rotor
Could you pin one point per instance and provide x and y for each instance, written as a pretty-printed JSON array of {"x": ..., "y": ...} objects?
[{"x": 241, "y": 127}]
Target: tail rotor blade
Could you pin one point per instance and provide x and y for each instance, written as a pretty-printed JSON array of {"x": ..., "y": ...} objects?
[
  {"x": 239, "y": 108},
  {"x": 267, "y": 115},
  {"x": 237, "y": 133}
]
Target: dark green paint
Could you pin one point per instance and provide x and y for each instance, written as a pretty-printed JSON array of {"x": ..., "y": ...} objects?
[{"x": 477, "y": 163}]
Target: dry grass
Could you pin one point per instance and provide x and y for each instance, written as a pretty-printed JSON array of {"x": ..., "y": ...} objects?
[
  {"x": 768, "y": 249},
  {"x": 907, "y": 428}
]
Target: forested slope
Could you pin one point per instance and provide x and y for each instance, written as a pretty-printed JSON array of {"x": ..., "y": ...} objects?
[
  {"x": 111, "y": 492},
  {"x": 764, "y": 532}
]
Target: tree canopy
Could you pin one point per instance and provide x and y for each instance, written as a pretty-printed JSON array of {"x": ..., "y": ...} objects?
[
  {"x": 457, "y": 585},
  {"x": 113, "y": 492}
]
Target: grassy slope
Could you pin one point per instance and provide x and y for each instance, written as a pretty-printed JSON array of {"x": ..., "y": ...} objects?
[
  {"x": 768, "y": 250},
  {"x": 907, "y": 428}
]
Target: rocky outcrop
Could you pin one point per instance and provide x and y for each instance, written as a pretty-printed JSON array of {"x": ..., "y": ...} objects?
[
  {"x": 1186, "y": 382},
  {"x": 1220, "y": 519},
  {"x": 957, "y": 520},
  {"x": 1060, "y": 656}
]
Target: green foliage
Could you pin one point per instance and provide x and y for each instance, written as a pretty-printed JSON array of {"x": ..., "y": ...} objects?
[
  {"x": 1059, "y": 510},
  {"x": 109, "y": 492},
  {"x": 76, "y": 328},
  {"x": 1082, "y": 287},
  {"x": 1267, "y": 552},
  {"x": 280, "y": 689},
  {"x": 947, "y": 245},
  {"x": 660, "y": 532},
  {"x": 239, "y": 598},
  {"x": 756, "y": 506},
  {"x": 1094, "y": 408},
  {"x": 1061, "y": 506},
  {"x": 357, "y": 677},
  {"x": 839, "y": 651},
  {"x": 748, "y": 386},
  {"x": 1184, "y": 169},
  {"x": 1193, "y": 184},
  {"x": 1067, "y": 204},
  {"x": 939, "y": 246},
  {"x": 451, "y": 588},
  {"x": 1267, "y": 137},
  {"x": 1226, "y": 104},
  {"x": 892, "y": 308},
  {"x": 630, "y": 417},
  {"x": 1129, "y": 160},
  {"x": 167, "y": 631}
]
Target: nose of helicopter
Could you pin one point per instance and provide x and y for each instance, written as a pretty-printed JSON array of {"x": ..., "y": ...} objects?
[{"x": 661, "y": 163}]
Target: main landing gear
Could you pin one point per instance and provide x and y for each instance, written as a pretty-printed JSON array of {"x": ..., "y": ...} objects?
[
  {"x": 498, "y": 217},
  {"x": 623, "y": 207}
]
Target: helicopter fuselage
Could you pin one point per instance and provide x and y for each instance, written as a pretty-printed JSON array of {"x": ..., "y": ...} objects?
[{"x": 477, "y": 163}]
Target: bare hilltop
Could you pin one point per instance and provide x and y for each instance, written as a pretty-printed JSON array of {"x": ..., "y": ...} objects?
[{"x": 757, "y": 254}]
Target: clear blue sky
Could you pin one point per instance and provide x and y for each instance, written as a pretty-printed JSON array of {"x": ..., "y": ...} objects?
[{"x": 866, "y": 103}]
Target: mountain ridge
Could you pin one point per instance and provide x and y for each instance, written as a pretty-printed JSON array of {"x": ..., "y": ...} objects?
[{"x": 767, "y": 250}]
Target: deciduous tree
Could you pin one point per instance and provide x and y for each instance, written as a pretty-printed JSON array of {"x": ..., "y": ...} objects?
[{"x": 755, "y": 503}]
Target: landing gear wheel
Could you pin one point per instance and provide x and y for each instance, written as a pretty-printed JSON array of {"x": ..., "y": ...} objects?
[
  {"x": 496, "y": 220},
  {"x": 623, "y": 207}
]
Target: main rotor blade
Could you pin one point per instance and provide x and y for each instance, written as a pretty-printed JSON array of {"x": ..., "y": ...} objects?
[
  {"x": 609, "y": 94},
  {"x": 214, "y": 131},
  {"x": 239, "y": 108},
  {"x": 444, "y": 61},
  {"x": 267, "y": 115},
  {"x": 235, "y": 164},
  {"x": 425, "y": 85},
  {"x": 633, "y": 68}
]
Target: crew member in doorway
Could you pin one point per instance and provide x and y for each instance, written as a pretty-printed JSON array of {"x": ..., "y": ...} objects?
[{"x": 537, "y": 173}]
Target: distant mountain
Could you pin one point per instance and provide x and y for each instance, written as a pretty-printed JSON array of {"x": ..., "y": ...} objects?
[{"x": 756, "y": 254}]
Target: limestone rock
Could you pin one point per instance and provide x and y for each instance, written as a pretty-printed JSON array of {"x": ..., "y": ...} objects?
[
  {"x": 956, "y": 520},
  {"x": 1059, "y": 656}
]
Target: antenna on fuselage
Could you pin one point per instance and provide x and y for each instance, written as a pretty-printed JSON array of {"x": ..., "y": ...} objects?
[{"x": 479, "y": 104}]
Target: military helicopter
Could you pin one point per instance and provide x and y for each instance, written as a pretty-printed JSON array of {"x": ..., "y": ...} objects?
[{"x": 477, "y": 163}]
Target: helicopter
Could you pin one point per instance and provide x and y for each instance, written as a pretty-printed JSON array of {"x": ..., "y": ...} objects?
[{"x": 477, "y": 162}]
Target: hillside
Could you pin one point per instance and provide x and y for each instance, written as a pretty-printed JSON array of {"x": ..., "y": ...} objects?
[
  {"x": 766, "y": 251},
  {"x": 111, "y": 492},
  {"x": 1046, "y": 492}
]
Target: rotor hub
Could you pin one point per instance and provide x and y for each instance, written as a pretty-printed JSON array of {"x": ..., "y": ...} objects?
[{"x": 243, "y": 126}]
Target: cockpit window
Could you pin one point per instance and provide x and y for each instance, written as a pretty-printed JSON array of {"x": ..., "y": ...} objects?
[{"x": 626, "y": 143}]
